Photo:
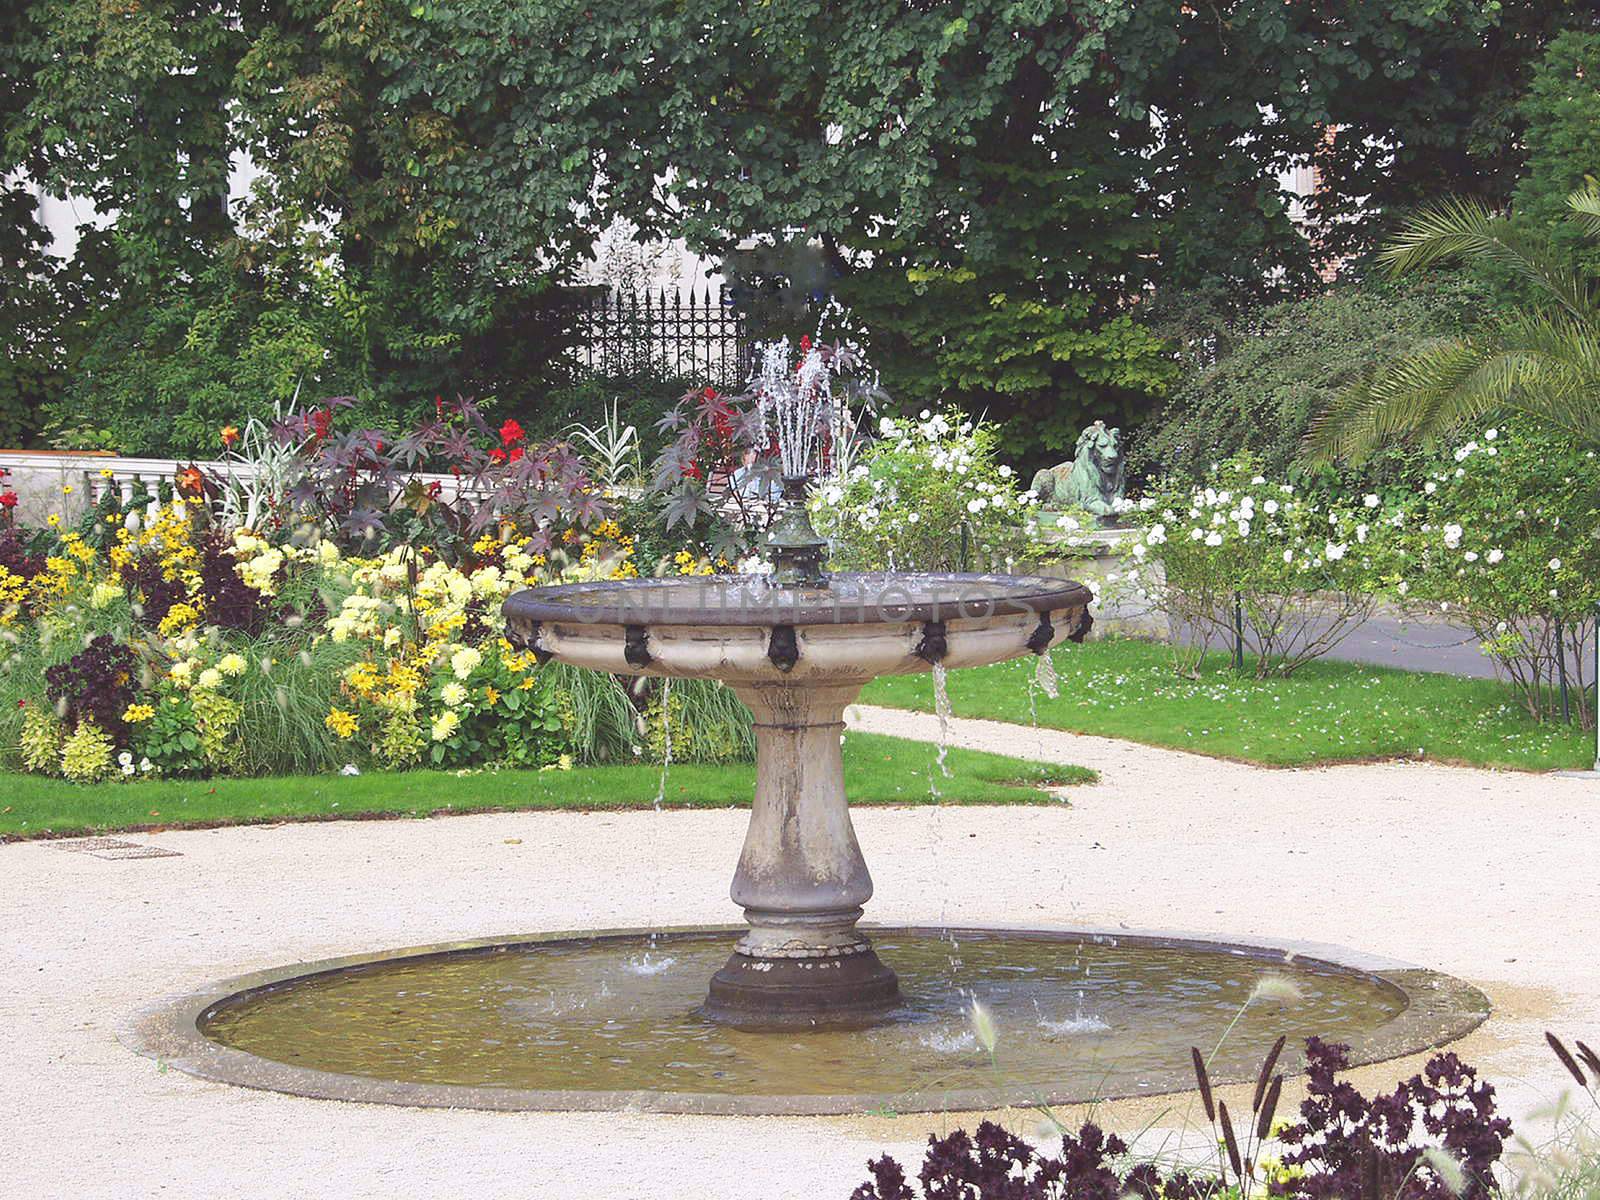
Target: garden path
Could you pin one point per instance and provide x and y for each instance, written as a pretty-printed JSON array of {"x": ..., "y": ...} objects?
[{"x": 1489, "y": 876}]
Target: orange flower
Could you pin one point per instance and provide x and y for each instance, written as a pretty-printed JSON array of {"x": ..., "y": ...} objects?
[{"x": 230, "y": 435}]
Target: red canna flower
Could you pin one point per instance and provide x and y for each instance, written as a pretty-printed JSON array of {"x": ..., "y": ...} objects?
[
  {"x": 805, "y": 343},
  {"x": 190, "y": 481},
  {"x": 511, "y": 432},
  {"x": 497, "y": 455},
  {"x": 8, "y": 499}
]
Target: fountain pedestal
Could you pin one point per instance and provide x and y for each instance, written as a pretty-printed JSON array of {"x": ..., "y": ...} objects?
[
  {"x": 796, "y": 655},
  {"x": 801, "y": 878}
]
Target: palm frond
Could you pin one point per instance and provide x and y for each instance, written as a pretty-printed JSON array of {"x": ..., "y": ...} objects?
[
  {"x": 1465, "y": 227},
  {"x": 1545, "y": 366},
  {"x": 1375, "y": 410},
  {"x": 1585, "y": 206}
]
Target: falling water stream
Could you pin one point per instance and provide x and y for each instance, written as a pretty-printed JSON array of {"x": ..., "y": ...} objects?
[
  {"x": 1044, "y": 674},
  {"x": 941, "y": 708},
  {"x": 666, "y": 740}
]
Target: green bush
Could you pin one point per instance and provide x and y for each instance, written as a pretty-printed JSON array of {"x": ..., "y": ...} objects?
[
  {"x": 1304, "y": 572},
  {"x": 1257, "y": 379},
  {"x": 1505, "y": 540},
  {"x": 927, "y": 495}
]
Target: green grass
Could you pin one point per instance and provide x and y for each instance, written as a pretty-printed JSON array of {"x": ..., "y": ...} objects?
[
  {"x": 1325, "y": 712},
  {"x": 878, "y": 770}
]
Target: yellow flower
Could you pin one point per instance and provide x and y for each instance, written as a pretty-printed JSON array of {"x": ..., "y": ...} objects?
[
  {"x": 452, "y": 693},
  {"x": 445, "y": 724},
  {"x": 137, "y": 713},
  {"x": 340, "y": 722},
  {"x": 180, "y": 616},
  {"x": 66, "y": 489},
  {"x": 363, "y": 677},
  {"x": 491, "y": 695},
  {"x": 53, "y": 520},
  {"x": 232, "y": 664},
  {"x": 106, "y": 472}
]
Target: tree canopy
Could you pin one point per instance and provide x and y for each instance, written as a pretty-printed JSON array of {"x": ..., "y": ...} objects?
[{"x": 995, "y": 188}]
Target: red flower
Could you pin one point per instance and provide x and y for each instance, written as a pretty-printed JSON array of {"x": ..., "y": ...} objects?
[
  {"x": 434, "y": 489},
  {"x": 438, "y": 408},
  {"x": 692, "y": 471},
  {"x": 497, "y": 455},
  {"x": 516, "y": 453},
  {"x": 805, "y": 343},
  {"x": 8, "y": 499},
  {"x": 190, "y": 481},
  {"x": 321, "y": 422},
  {"x": 710, "y": 393},
  {"x": 511, "y": 432}
]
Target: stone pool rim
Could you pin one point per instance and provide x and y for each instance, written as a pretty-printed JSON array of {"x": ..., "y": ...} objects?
[{"x": 1439, "y": 1009}]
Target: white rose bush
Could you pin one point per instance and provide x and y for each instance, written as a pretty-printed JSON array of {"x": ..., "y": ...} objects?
[
  {"x": 904, "y": 503},
  {"x": 1505, "y": 542},
  {"x": 1302, "y": 573},
  {"x": 1501, "y": 538}
]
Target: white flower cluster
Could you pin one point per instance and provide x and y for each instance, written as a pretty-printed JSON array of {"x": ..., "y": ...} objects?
[{"x": 923, "y": 479}]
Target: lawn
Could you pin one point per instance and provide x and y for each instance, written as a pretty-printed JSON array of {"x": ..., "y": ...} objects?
[
  {"x": 878, "y": 770},
  {"x": 1325, "y": 712}
]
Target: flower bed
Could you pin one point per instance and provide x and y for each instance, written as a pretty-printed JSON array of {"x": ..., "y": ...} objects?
[{"x": 358, "y": 625}]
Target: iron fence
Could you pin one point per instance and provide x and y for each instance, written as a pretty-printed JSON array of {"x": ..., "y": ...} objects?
[{"x": 701, "y": 338}]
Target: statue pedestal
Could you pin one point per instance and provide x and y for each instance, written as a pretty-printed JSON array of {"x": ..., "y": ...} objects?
[{"x": 1097, "y": 558}]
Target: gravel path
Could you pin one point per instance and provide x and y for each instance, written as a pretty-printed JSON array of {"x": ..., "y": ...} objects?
[{"x": 1488, "y": 876}]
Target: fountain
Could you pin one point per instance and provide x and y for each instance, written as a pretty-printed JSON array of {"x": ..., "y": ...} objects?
[
  {"x": 796, "y": 648},
  {"x": 802, "y": 1016},
  {"x": 796, "y": 654}
]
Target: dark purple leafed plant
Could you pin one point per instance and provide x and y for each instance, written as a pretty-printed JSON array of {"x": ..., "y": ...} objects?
[
  {"x": 997, "y": 1165},
  {"x": 1353, "y": 1148},
  {"x": 230, "y": 602},
  {"x": 365, "y": 484},
  {"x": 95, "y": 684},
  {"x": 1345, "y": 1146}
]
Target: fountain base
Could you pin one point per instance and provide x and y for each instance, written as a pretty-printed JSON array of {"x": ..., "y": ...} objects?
[{"x": 772, "y": 993}]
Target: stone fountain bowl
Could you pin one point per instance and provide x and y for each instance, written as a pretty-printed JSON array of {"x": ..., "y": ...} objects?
[
  {"x": 742, "y": 630},
  {"x": 796, "y": 656}
]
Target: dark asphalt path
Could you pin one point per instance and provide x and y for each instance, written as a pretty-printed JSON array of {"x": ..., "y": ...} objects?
[{"x": 1413, "y": 646}]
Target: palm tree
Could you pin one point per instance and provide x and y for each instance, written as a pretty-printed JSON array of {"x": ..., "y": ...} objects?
[{"x": 1543, "y": 362}]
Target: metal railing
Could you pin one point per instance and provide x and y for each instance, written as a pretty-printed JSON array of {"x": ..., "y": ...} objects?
[{"x": 700, "y": 338}]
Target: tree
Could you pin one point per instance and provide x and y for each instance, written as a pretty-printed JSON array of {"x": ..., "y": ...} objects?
[
  {"x": 1256, "y": 377},
  {"x": 997, "y": 190},
  {"x": 1542, "y": 361}
]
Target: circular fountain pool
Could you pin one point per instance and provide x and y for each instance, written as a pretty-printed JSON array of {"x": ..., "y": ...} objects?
[{"x": 615, "y": 1021}]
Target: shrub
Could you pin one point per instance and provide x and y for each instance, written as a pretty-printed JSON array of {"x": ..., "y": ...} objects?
[
  {"x": 1303, "y": 573},
  {"x": 1345, "y": 1145},
  {"x": 997, "y": 1165},
  {"x": 1257, "y": 378},
  {"x": 1505, "y": 541},
  {"x": 927, "y": 495}
]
